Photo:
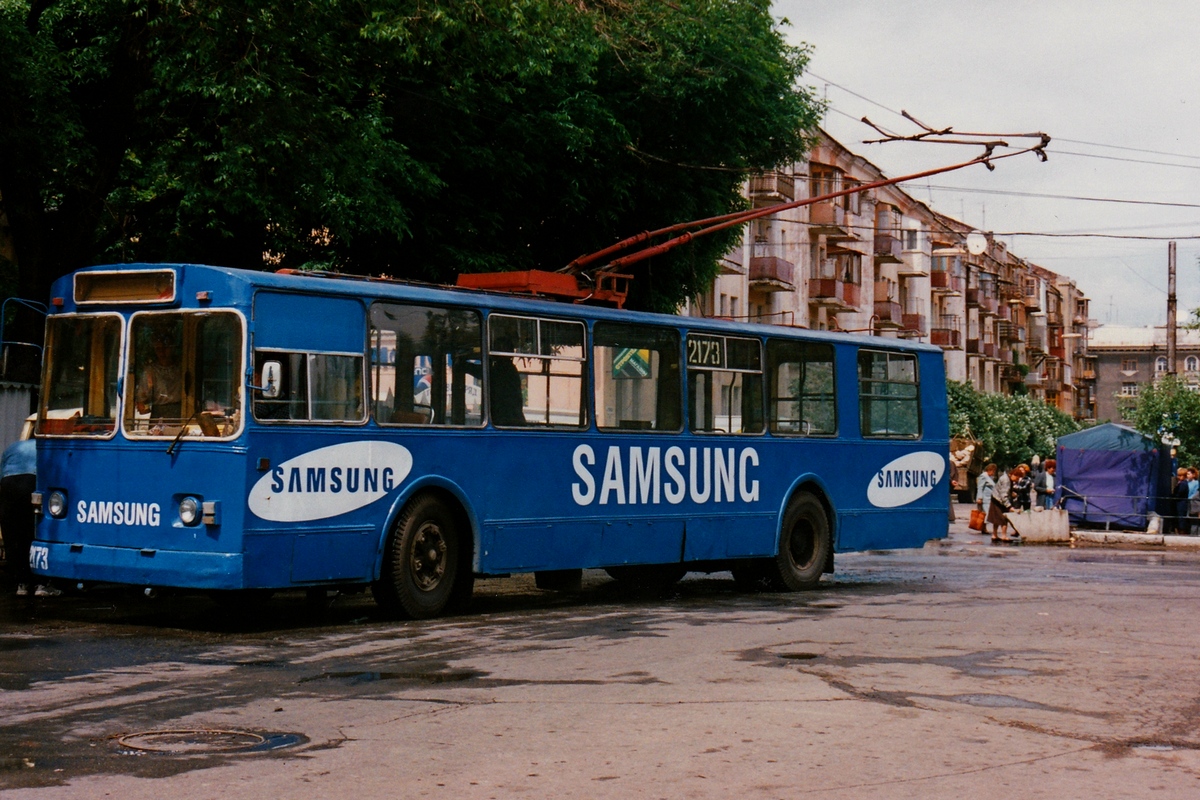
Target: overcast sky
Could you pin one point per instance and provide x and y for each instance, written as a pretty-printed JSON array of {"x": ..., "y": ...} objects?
[{"x": 1096, "y": 76}]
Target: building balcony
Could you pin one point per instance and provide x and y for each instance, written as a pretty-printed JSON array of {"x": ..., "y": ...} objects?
[
  {"x": 1086, "y": 374},
  {"x": 772, "y": 188},
  {"x": 771, "y": 274},
  {"x": 945, "y": 283},
  {"x": 1059, "y": 352},
  {"x": 1054, "y": 318},
  {"x": 888, "y": 249},
  {"x": 947, "y": 338},
  {"x": 989, "y": 349},
  {"x": 914, "y": 324},
  {"x": 888, "y": 314},
  {"x": 973, "y": 347},
  {"x": 834, "y": 293},
  {"x": 1031, "y": 302},
  {"x": 1010, "y": 373},
  {"x": 913, "y": 267},
  {"x": 828, "y": 218}
]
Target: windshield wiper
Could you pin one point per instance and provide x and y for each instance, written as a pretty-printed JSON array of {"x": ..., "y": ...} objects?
[{"x": 182, "y": 431}]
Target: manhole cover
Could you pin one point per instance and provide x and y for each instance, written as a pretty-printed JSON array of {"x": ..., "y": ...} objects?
[{"x": 204, "y": 741}]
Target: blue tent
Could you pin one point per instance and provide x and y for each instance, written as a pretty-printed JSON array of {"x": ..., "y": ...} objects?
[{"x": 1114, "y": 476}]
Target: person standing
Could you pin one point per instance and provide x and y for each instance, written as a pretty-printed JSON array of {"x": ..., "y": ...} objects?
[
  {"x": 984, "y": 485},
  {"x": 1022, "y": 488},
  {"x": 18, "y": 479},
  {"x": 1001, "y": 503},
  {"x": 1179, "y": 502},
  {"x": 1044, "y": 485}
]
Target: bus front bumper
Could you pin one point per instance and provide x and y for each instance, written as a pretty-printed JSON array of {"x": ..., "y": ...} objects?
[{"x": 188, "y": 569}]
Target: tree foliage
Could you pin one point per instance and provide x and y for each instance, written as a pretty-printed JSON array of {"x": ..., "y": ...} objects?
[
  {"x": 1012, "y": 429},
  {"x": 416, "y": 138},
  {"x": 1167, "y": 408}
]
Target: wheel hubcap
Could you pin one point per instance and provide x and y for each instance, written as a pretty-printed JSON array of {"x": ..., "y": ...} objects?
[
  {"x": 428, "y": 562},
  {"x": 803, "y": 543}
]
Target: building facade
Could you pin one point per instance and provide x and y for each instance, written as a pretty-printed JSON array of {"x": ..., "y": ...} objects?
[
  {"x": 882, "y": 263},
  {"x": 1128, "y": 358}
]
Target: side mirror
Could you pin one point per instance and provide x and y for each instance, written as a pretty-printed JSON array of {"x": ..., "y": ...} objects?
[{"x": 269, "y": 382}]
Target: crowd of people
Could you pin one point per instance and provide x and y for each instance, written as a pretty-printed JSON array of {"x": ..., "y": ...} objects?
[
  {"x": 1185, "y": 497},
  {"x": 1020, "y": 489}
]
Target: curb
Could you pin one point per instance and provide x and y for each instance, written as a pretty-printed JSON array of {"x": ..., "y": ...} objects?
[{"x": 1144, "y": 539}]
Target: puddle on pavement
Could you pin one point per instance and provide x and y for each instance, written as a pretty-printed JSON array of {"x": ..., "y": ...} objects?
[
  {"x": 993, "y": 701},
  {"x": 204, "y": 742},
  {"x": 356, "y": 677}
]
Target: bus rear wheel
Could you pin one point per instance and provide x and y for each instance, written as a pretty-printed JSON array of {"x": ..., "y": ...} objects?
[
  {"x": 804, "y": 545},
  {"x": 421, "y": 563}
]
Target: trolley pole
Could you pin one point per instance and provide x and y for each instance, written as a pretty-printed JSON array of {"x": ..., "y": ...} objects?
[{"x": 1171, "y": 308}]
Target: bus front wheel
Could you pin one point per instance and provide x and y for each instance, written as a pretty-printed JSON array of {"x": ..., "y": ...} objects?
[
  {"x": 804, "y": 545},
  {"x": 421, "y": 564}
]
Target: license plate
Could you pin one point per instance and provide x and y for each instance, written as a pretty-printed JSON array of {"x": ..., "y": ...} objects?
[{"x": 39, "y": 557}]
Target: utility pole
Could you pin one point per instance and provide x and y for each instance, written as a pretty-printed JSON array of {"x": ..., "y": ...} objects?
[{"x": 1170, "y": 308}]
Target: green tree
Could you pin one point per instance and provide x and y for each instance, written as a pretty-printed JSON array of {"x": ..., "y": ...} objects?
[
  {"x": 1012, "y": 429},
  {"x": 416, "y": 138},
  {"x": 1168, "y": 409}
]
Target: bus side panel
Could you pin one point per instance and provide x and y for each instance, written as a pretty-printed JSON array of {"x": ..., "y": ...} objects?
[
  {"x": 513, "y": 547},
  {"x": 712, "y": 538}
]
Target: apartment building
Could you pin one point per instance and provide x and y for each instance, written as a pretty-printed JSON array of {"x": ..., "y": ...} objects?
[
  {"x": 1126, "y": 358},
  {"x": 885, "y": 264}
]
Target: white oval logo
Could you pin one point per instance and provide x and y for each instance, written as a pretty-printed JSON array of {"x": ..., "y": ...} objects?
[
  {"x": 330, "y": 481},
  {"x": 906, "y": 479}
]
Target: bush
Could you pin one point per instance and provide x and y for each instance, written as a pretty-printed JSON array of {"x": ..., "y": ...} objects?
[{"x": 1012, "y": 430}]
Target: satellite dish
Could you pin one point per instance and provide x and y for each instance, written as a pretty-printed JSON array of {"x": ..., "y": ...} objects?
[{"x": 976, "y": 243}]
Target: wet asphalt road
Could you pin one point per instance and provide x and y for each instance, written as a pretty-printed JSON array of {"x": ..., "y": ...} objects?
[{"x": 959, "y": 670}]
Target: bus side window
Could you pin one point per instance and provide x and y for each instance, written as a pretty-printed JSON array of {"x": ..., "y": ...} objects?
[
  {"x": 637, "y": 377},
  {"x": 724, "y": 384},
  {"x": 535, "y": 372},
  {"x": 426, "y": 365},
  {"x": 888, "y": 395},
  {"x": 321, "y": 387},
  {"x": 800, "y": 379}
]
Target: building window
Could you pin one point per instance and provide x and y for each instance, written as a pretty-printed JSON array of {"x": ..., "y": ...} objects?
[
  {"x": 1191, "y": 364},
  {"x": 911, "y": 239},
  {"x": 1129, "y": 365},
  {"x": 1160, "y": 364},
  {"x": 1129, "y": 389}
]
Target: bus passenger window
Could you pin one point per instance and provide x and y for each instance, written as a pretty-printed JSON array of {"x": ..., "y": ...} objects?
[
  {"x": 322, "y": 387},
  {"x": 637, "y": 377},
  {"x": 426, "y": 365},
  {"x": 535, "y": 372},
  {"x": 724, "y": 384},
  {"x": 888, "y": 394},
  {"x": 802, "y": 389}
]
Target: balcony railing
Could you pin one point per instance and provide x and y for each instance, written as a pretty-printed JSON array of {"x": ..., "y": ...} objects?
[
  {"x": 945, "y": 282},
  {"x": 949, "y": 338},
  {"x": 772, "y": 186},
  {"x": 1058, "y": 351},
  {"x": 888, "y": 249},
  {"x": 771, "y": 274},
  {"x": 888, "y": 314},
  {"x": 827, "y": 218},
  {"x": 972, "y": 347},
  {"x": 829, "y": 291},
  {"x": 989, "y": 349},
  {"x": 914, "y": 324}
]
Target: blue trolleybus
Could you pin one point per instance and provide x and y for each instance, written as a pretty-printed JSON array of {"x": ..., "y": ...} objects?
[{"x": 227, "y": 430}]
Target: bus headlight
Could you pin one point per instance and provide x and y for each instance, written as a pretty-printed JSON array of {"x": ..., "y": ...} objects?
[
  {"x": 189, "y": 511},
  {"x": 56, "y": 504}
]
